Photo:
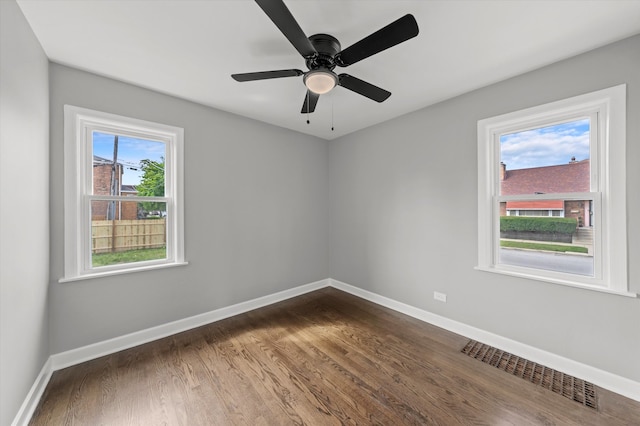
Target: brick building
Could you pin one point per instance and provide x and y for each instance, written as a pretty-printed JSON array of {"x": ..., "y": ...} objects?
[
  {"x": 571, "y": 177},
  {"x": 102, "y": 172}
]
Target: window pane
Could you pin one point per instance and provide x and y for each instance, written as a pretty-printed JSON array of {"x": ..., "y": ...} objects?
[
  {"x": 546, "y": 160},
  {"x": 127, "y": 166},
  {"x": 136, "y": 232},
  {"x": 553, "y": 243}
]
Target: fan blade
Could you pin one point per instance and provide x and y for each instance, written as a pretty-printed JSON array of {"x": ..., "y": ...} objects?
[
  {"x": 363, "y": 88},
  {"x": 395, "y": 33},
  {"x": 284, "y": 20},
  {"x": 263, "y": 75},
  {"x": 310, "y": 102}
]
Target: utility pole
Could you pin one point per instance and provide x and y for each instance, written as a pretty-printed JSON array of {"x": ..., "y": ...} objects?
[{"x": 115, "y": 180}]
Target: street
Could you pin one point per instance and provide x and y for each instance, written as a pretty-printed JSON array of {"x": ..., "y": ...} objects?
[{"x": 560, "y": 262}]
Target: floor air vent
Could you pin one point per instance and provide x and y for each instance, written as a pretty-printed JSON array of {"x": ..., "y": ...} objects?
[{"x": 560, "y": 383}]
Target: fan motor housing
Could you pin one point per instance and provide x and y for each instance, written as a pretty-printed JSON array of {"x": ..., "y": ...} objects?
[{"x": 327, "y": 47}]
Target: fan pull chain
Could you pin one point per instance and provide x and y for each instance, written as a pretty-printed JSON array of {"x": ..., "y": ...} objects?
[
  {"x": 308, "y": 107},
  {"x": 332, "y": 114}
]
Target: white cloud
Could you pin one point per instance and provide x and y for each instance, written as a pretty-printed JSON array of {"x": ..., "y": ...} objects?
[{"x": 546, "y": 146}]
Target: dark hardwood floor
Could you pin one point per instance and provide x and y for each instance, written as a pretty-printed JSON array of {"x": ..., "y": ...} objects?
[{"x": 323, "y": 358}]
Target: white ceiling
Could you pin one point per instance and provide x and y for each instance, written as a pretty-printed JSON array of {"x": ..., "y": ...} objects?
[{"x": 189, "y": 49}]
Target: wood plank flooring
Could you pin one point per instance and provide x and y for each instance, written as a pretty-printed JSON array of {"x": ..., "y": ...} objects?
[{"x": 324, "y": 358}]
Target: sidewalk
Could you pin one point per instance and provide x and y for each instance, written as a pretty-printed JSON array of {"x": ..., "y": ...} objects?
[{"x": 589, "y": 247}]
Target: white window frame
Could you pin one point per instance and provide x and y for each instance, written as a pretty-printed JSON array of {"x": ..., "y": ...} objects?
[
  {"x": 79, "y": 125},
  {"x": 607, "y": 110}
]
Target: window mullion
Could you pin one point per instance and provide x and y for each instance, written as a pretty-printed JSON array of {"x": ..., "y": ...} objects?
[
  {"x": 558, "y": 196},
  {"x": 137, "y": 199}
]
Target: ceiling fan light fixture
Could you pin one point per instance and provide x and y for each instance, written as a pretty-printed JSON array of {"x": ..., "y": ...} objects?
[{"x": 320, "y": 81}]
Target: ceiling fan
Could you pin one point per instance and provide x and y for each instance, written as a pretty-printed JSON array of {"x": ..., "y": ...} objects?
[{"x": 323, "y": 53}]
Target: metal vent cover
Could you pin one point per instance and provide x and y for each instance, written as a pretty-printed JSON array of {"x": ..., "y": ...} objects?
[{"x": 568, "y": 386}]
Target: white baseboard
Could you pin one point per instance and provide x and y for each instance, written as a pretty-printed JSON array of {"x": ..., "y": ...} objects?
[
  {"x": 96, "y": 350},
  {"x": 33, "y": 397},
  {"x": 76, "y": 356},
  {"x": 604, "y": 379}
]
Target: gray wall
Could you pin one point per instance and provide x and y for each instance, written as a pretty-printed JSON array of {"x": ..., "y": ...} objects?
[
  {"x": 24, "y": 209},
  {"x": 399, "y": 200},
  {"x": 256, "y": 215},
  {"x": 403, "y": 217}
]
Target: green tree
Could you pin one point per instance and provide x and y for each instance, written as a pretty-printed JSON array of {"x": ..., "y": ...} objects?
[{"x": 152, "y": 184}]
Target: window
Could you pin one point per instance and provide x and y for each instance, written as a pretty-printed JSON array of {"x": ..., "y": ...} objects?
[
  {"x": 123, "y": 194},
  {"x": 551, "y": 192}
]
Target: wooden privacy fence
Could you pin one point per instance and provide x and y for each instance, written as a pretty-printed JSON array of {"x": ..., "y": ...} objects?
[{"x": 121, "y": 235}]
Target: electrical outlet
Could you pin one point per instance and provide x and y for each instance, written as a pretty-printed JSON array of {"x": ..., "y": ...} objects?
[{"x": 440, "y": 296}]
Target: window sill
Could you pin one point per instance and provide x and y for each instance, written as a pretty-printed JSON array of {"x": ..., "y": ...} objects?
[
  {"x": 556, "y": 281},
  {"x": 120, "y": 272}
]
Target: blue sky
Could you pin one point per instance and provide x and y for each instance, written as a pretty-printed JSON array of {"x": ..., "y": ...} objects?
[
  {"x": 546, "y": 146},
  {"x": 130, "y": 152}
]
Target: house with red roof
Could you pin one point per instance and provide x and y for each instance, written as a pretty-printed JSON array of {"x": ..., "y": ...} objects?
[{"x": 563, "y": 178}]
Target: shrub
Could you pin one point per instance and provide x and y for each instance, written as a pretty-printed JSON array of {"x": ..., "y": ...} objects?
[{"x": 553, "y": 225}]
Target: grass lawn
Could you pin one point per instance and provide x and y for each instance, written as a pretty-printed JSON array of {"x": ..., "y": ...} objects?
[
  {"x": 543, "y": 246},
  {"x": 105, "y": 259}
]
